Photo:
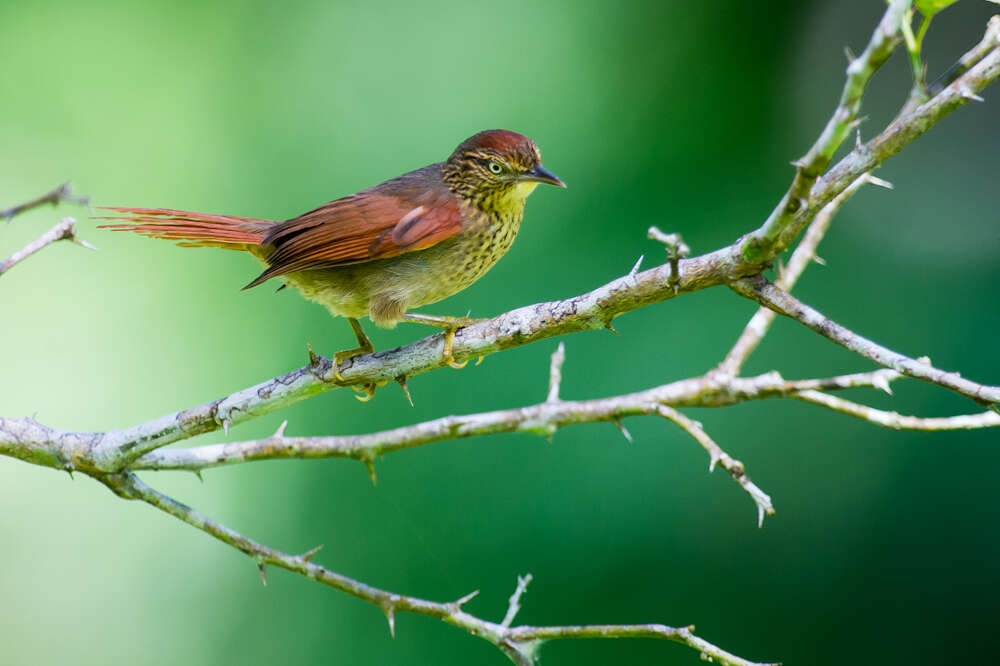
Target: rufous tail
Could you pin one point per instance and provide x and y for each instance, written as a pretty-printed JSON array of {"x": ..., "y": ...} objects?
[{"x": 192, "y": 229}]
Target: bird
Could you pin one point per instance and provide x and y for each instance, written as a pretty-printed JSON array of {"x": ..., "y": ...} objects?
[{"x": 410, "y": 241}]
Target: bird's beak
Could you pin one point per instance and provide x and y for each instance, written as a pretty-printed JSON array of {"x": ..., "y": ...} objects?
[{"x": 541, "y": 175}]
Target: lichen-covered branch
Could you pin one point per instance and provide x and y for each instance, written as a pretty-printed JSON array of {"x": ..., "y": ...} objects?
[
  {"x": 794, "y": 214},
  {"x": 804, "y": 253},
  {"x": 767, "y": 241},
  {"x": 594, "y": 309},
  {"x": 766, "y": 293},
  {"x": 812, "y": 199},
  {"x": 32, "y": 441}
]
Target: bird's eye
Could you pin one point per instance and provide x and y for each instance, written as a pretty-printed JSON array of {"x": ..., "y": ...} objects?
[{"x": 495, "y": 167}]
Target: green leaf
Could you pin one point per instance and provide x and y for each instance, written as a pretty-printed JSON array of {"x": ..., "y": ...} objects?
[{"x": 932, "y": 7}]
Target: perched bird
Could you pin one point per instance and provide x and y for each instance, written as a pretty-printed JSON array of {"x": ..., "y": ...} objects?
[{"x": 407, "y": 242}]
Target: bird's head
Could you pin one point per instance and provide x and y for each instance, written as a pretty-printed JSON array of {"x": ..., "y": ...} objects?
[{"x": 496, "y": 170}]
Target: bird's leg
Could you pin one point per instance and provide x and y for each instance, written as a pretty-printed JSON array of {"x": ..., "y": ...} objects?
[
  {"x": 450, "y": 325},
  {"x": 364, "y": 347}
]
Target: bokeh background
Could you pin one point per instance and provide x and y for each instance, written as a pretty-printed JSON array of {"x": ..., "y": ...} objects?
[{"x": 679, "y": 114}]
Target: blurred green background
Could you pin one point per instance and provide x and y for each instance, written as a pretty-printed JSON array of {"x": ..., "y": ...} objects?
[{"x": 684, "y": 115}]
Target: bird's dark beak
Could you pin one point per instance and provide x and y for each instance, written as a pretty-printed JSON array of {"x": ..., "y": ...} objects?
[{"x": 541, "y": 175}]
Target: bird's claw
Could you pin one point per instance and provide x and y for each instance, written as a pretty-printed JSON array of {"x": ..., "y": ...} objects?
[
  {"x": 366, "y": 391},
  {"x": 449, "y": 342}
]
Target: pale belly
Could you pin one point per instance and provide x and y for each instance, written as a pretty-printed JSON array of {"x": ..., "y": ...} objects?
[{"x": 385, "y": 289}]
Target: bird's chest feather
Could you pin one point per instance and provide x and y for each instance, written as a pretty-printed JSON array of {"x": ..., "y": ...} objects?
[{"x": 484, "y": 240}]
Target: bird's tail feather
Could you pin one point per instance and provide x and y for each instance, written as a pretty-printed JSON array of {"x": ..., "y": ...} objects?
[{"x": 192, "y": 229}]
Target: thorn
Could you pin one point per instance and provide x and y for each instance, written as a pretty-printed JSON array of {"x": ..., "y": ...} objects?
[
  {"x": 83, "y": 243},
  {"x": 306, "y": 556},
  {"x": 618, "y": 424},
  {"x": 225, "y": 426},
  {"x": 968, "y": 94},
  {"x": 635, "y": 269},
  {"x": 466, "y": 599},
  {"x": 857, "y": 140},
  {"x": 819, "y": 260},
  {"x": 713, "y": 460},
  {"x": 370, "y": 464},
  {"x": 197, "y": 472},
  {"x": 856, "y": 123},
  {"x": 881, "y": 382},
  {"x": 70, "y": 472},
  {"x": 390, "y": 616},
  {"x": 850, "y": 54},
  {"x": 401, "y": 380},
  {"x": 760, "y": 516},
  {"x": 478, "y": 361},
  {"x": 611, "y": 328},
  {"x": 313, "y": 358},
  {"x": 800, "y": 163},
  {"x": 263, "y": 571},
  {"x": 878, "y": 181},
  {"x": 280, "y": 432}
]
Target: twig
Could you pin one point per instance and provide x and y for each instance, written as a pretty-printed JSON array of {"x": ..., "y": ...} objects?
[
  {"x": 761, "y": 321},
  {"x": 681, "y": 635},
  {"x": 515, "y": 600},
  {"x": 764, "y": 244},
  {"x": 766, "y": 293},
  {"x": 63, "y": 230},
  {"x": 55, "y": 197},
  {"x": 970, "y": 59},
  {"x": 555, "y": 373},
  {"x": 33, "y": 442},
  {"x": 898, "y": 421},
  {"x": 774, "y": 235},
  {"x": 717, "y": 455},
  {"x": 519, "y": 643}
]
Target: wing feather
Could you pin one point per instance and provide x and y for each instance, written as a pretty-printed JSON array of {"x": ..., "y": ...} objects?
[{"x": 399, "y": 216}]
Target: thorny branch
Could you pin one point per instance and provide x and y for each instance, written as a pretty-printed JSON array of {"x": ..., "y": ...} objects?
[{"x": 811, "y": 200}]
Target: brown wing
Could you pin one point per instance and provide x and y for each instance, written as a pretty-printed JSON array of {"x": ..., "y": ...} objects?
[{"x": 402, "y": 215}]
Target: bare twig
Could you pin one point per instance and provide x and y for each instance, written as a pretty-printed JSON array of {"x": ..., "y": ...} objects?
[
  {"x": 515, "y": 600},
  {"x": 555, "y": 373},
  {"x": 794, "y": 214},
  {"x": 775, "y": 234},
  {"x": 717, "y": 455},
  {"x": 59, "y": 195},
  {"x": 521, "y": 644},
  {"x": 63, "y": 230},
  {"x": 899, "y": 421},
  {"x": 970, "y": 59},
  {"x": 759, "y": 324},
  {"x": 763, "y": 291},
  {"x": 31, "y": 441}
]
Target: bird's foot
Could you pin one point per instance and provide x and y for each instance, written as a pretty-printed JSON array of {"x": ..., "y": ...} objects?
[
  {"x": 450, "y": 326},
  {"x": 366, "y": 391}
]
